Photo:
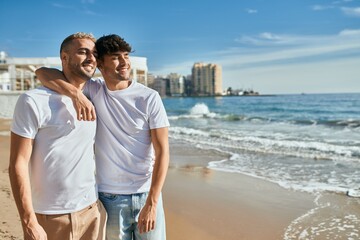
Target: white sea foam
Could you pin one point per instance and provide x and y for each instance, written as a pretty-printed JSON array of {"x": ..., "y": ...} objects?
[
  {"x": 199, "y": 109},
  {"x": 265, "y": 142},
  {"x": 328, "y": 220}
]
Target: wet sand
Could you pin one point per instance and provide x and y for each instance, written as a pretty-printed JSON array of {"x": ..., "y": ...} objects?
[{"x": 201, "y": 203}]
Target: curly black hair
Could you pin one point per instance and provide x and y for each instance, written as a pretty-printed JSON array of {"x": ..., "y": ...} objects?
[{"x": 108, "y": 44}]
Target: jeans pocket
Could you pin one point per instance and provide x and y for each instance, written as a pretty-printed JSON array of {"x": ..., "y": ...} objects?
[{"x": 107, "y": 196}]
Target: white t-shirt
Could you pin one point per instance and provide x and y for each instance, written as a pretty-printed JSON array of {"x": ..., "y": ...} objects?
[
  {"x": 62, "y": 166},
  {"x": 123, "y": 150}
]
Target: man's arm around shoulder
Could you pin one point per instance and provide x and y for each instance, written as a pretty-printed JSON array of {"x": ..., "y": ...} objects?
[{"x": 55, "y": 80}]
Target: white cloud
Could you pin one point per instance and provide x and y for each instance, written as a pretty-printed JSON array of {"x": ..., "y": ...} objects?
[
  {"x": 183, "y": 68},
  {"x": 321, "y": 7},
  {"x": 251, "y": 11},
  {"x": 89, "y": 12},
  {"x": 341, "y": 1},
  {"x": 271, "y": 39},
  {"x": 355, "y": 12},
  {"x": 57, "y": 5},
  {"x": 265, "y": 38},
  {"x": 270, "y": 36},
  {"x": 350, "y": 32},
  {"x": 302, "y": 48},
  {"x": 87, "y": 1}
]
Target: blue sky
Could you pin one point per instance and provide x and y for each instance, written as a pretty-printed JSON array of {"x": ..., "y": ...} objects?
[{"x": 272, "y": 46}]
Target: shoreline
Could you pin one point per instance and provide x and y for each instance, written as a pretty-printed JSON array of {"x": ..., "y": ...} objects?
[{"x": 201, "y": 203}]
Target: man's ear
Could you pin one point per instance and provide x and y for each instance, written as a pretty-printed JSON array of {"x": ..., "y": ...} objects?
[{"x": 64, "y": 57}]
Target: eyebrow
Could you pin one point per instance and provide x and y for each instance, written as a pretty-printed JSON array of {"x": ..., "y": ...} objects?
[
  {"x": 86, "y": 49},
  {"x": 117, "y": 54}
]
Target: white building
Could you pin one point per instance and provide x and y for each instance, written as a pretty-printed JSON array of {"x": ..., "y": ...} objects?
[{"x": 19, "y": 73}]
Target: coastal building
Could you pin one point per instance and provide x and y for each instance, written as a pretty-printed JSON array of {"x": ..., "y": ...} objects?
[
  {"x": 188, "y": 88},
  {"x": 177, "y": 84},
  {"x": 18, "y": 74},
  {"x": 159, "y": 85},
  {"x": 206, "y": 79},
  {"x": 150, "y": 80},
  {"x": 139, "y": 69}
]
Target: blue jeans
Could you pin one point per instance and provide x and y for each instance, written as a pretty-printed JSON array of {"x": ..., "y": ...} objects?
[{"x": 123, "y": 214}]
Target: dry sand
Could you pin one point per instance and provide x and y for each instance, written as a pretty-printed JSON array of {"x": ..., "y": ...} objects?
[
  {"x": 199, "y": 203},
  {"x": 10, "y": 226}
]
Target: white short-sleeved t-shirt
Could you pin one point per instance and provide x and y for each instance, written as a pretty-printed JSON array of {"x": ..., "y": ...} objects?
[
  {"x": 123, "y": 149},
  {"x": 62, "y": 166}
]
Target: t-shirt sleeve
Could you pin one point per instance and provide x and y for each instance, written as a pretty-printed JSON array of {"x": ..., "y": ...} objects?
[
  {"x": 92, "y": 87},
  {"x": 25, "y": 121},
  {"x": 157, "y": 113}
]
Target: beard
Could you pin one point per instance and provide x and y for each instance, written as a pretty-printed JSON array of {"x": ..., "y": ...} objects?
[
  {"x": 123, "y": 76},
  {"x": 78, "y": 70}
]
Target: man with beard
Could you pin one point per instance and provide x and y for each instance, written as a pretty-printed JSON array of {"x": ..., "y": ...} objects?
[
  {"x": 52, "y": 167},
  {"x": 131, "y": 146}
]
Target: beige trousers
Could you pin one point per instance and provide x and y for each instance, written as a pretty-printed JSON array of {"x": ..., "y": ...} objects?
[{"x": 86, "y": 224}]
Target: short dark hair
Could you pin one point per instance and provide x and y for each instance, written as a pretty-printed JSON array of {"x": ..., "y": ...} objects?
[
  {"x": 108, "y": 44},
  {"x": 78, "y": 35}
]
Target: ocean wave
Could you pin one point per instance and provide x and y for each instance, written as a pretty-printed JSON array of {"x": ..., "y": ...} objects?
[
  {"x": 270, "y": 144},
  {"x": 292, "y": 173},
  {"x": 202, "y": 111}
]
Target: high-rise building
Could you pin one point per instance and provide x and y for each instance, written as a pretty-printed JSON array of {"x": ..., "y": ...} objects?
[
  {"x": 159, "y": 85},
  {"x": 176, "y": 82},
  {"x": 207, "y": 79}
]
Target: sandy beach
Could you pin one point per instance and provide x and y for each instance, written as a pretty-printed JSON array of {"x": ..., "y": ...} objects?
[{"x": 199, "y": 203}]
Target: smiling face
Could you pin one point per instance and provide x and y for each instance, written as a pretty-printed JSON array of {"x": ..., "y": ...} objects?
[
  {"x": 115, "y": 67},
  {"x": 79, "y": 59}
]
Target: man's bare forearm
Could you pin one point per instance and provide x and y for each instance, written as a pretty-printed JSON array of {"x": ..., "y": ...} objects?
[
  {"x": 55, "y": 80},
  {"x": 161, "y": 147},
  {"x": 147, "y": 217}
]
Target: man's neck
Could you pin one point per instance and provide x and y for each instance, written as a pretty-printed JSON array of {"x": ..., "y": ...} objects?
[
  {"x": 75, "y": 81},
  {"x": 120, "y": 85}
]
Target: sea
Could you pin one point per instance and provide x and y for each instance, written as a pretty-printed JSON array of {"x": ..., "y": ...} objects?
[
  {"x": 304, "y": 142},
  {"x": 308, "y": 142}
]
